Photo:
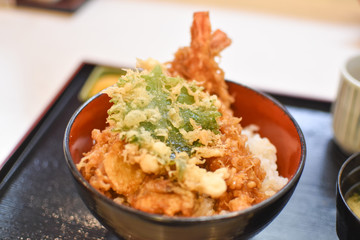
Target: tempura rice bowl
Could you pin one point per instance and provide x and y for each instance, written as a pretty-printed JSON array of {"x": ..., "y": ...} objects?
[{"x": 275, "y": 123}]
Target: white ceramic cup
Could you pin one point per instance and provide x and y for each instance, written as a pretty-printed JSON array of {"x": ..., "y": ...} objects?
[{"x": 346, "y": 108}]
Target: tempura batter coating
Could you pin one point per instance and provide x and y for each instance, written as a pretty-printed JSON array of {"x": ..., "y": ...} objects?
[
  {"x": 197, "y": 62},
  {"x": 210, "y": 170}
]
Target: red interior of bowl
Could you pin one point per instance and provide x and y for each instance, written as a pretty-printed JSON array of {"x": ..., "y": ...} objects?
[
  {"x": 92, "y": 116},
  {"x": 274, "y": 123},
  {"x": 253, "y": 107}
]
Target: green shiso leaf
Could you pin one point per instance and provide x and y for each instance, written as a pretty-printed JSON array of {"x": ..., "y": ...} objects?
[
  {"x": 184, "y": 97},
  {"x": 162, "y": 99}
]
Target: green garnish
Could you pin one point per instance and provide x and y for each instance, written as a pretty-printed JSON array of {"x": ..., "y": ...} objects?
[{"x": 152, "y": 107}]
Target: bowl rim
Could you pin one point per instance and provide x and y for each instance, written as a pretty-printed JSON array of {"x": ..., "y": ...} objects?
[
  {"x": 346, "y": 71},
  {"x": 185, "y": 220},
  {"x": 338, "y": 182}
]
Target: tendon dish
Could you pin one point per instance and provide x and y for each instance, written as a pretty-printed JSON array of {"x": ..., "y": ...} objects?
[
  {"x": 229, "y": 157},
  {"x": 173, "y": 145},
  {"x": 274, "y": 122}
]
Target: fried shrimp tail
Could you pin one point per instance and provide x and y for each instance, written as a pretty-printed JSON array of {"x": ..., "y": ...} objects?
[
  {"x": 197, "y": 62},
  {"x": 219, "y": 41}
]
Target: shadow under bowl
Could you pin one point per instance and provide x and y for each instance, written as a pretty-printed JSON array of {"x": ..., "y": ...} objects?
[
  {"x": 347, "y": 223},
  {"x": 254, "y": 107}
]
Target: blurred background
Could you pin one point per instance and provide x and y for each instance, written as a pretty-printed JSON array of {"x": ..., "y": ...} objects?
[{"x": 290, "y": 47}]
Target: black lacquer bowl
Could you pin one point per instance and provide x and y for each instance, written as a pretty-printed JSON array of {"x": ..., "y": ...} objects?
[
  {"x": 347, "y": 223},
  {"x": 255, "y": 108}
]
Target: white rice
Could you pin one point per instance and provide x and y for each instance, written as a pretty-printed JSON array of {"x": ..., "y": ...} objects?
[{"x": 263, "y": 149}]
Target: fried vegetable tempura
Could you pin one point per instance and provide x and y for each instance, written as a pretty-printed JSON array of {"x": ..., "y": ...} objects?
[{"x": 173, "y": 146}]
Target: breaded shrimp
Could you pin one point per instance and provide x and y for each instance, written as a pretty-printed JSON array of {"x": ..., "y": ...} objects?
[{"x": 197, "y": 62}]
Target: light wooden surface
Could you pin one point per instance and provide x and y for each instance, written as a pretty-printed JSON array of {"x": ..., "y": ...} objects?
[{"x": 291, "y": 47}]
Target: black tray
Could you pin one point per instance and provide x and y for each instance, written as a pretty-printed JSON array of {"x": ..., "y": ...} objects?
[{"x": 38, "y": 199}]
